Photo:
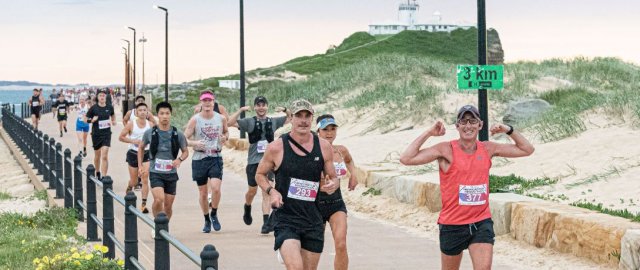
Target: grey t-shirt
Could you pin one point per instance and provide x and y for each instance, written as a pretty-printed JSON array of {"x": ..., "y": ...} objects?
[
  {"x": 247, "y": 125},
  {"x": 163, "y": 157}
]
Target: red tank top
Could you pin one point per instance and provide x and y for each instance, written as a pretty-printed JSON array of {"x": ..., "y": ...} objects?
[{"x": 465, "y": 187}]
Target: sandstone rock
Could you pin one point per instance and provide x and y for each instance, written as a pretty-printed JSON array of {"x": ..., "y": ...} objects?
[
  {"x": 630, "y": 253},
  {"x": 500, "y": 205},
  {"x": 519, "y": 111}
]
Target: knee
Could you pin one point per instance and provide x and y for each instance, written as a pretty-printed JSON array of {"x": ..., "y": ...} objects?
[
  {"x": 215, "y": 190},
  {"x": 158, "y": 201},
  {"x": 104, "y": 158},
  {"x": 252, "y": 191},
  {"x": 341, "y": 245}
]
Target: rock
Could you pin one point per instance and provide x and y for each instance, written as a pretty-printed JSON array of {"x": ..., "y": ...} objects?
[
  {"x": 630, "y": 253},
  {"x": 500, "y": 205},
  {"x": 519, "y": 111},
  {"x": 569, "y": 229}
]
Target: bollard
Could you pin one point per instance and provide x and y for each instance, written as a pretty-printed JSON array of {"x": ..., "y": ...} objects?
[
  {"x": 45, "y": 157},
  {"x": 162, "y": 257},
  {"x": 52, "y": 163},
  {"x": 209, "y": 257},
  {"x": 59, "y": 173},
  {"x": 68, "y": 196},
  {"x": 77, "y": 186},
  {"x": 92, "y": 226},
  {"x": 107, "y": 217},
  {"x": 130, "y": 231}
]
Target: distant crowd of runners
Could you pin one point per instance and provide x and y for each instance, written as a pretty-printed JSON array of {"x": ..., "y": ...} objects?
[{"x": 299, "y": 173}]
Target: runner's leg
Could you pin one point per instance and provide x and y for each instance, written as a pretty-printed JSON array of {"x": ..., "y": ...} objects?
[
  {"x": 145, "y": 180},
  {"x": 338, "y": 222},
  {"x": 104, "y": 159},
  {"x": 168, "y": 204},
  {"x": 96, "y": 159},
  {"x": 310, "y": 259},
  {"x": 133, "y": 177},
  {"x": 291, "y": 254},
  {"x": 481, "y": 255},
  {"x": 202, "y": 193},
  {"x": 450, "y": 262},
  {"x": 215, "y": 192}
]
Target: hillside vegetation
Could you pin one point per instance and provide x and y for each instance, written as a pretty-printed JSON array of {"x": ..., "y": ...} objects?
[{"x": 410, "y": 74}]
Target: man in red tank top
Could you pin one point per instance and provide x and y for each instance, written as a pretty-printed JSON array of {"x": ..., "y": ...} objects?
[{"x": 465, "y": 220}]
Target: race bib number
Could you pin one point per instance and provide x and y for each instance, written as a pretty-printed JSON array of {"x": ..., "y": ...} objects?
[
  {"x": 341, "y": 168},
  {"x": 104, "y": 124},
  {"x": 262, "y": 146},
  {"x": 303, "y": 190},
  {"x": 35, "y": 103},
  {"x": 472, "y": 194},
  {"x": 62, "y": 111},
  {"x": 163, "y": 165}
]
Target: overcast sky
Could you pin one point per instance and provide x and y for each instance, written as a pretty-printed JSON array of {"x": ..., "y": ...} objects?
[{"x": 78, "y": 41}]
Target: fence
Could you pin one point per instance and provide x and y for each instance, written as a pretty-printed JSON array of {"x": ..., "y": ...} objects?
[
  {"x": 24, "y": 109},
  {"x": 65, "y": 176}
]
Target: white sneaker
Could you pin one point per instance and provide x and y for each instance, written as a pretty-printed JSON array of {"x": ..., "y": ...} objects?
[{"x": 280, "y": 260}]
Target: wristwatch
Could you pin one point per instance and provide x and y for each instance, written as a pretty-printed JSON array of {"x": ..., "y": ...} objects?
[
  {"x": 510, "y": 130},
  {"x": 269, "y": 190},
  {"x": 180, "y": 158}
]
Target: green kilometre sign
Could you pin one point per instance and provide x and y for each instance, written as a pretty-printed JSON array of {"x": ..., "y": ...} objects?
[{"x": 480, "y": 77}]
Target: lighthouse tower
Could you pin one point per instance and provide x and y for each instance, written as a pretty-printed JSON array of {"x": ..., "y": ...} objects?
[{"x": 407, "y": 13}]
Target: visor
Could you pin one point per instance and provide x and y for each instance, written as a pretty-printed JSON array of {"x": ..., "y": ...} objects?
[
  {"x": 207, "y": 96},
  {"x": 324, "y": 123}
]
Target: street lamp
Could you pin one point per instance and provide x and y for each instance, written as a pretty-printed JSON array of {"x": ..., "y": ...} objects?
[
  {"x": 242, "y": 78},
  {"x": 126, "y": 76},
  {"x": 134, "y": 58},
  {"x": 128, "y": 64},
  {"x": 143, "y": 40},
  {"x": 166, "y": 52}
]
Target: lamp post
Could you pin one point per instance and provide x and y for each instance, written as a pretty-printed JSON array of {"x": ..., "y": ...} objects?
[
  {"x": 143, "y": 40},
  {"x": 242, "y": 78},
  {"x": 166, "y": 52},
  {"x": 134, "y": 58},
  {"x": 126, "y": 76},
  {"x": 128, "y": 64}
]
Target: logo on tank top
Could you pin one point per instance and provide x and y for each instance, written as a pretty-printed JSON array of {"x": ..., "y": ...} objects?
[
  {"x": 479, "y": 157},
  {"x": 210, "y": 132},
  {"x": 316, "y": 159}
]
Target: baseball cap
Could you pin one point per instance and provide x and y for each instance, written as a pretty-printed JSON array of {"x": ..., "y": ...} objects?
[
  {"x": 326, "y": 122},
  {"x": 101, "y": 91},
  {"x": 301, "y": 105},
  {"x": 468, "y": 108},
  {"x": 260, "y": 99}
]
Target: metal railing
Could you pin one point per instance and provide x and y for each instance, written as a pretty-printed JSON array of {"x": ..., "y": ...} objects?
[{"x": 65, "y": 176}]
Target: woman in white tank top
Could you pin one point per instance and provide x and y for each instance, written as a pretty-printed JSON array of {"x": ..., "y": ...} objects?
[{"x": 82, "y": 128}]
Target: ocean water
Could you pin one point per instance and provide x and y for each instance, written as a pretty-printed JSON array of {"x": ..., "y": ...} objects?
[{"x": 18, "y": 97}]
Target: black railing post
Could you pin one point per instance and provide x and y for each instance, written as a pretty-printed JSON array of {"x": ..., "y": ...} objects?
[
  {"x": 162, "y": 258},
  {"x": 92, "y": 209},
  {"x": 130, "y": 231},
  {"x": 45, "y": 157},
  {"x": 13, "y": 108},
  {"x": 59, "y": 173},
  {"x": 52, "y": 163},
  {"x": 209, "y": 257},
  {"x": 39, "y": 152},
  {"x": 68, "y": 195},
  {"x": 77, "y": 186},
  {"x": 107, "y": 217}
]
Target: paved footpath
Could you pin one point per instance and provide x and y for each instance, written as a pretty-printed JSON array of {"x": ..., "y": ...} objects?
[{"x": 371, "y": 244}]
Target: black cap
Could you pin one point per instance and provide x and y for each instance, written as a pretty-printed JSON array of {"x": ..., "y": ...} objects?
[
  {"x": 468, "y": 108},
  {"x": 101, "y": 91},
  {"x": 260, "y": 99}
]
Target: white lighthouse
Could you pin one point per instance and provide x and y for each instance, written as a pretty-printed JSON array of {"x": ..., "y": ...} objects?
[
  {"x": 407, "y": 12},
  {"x": 408, "y": 20}
]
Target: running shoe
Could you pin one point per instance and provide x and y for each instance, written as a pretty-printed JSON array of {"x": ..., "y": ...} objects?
[
  {"x": 128, "y": 189},
  {"x": 215, "y": 223},
  {"x": 65, "y": 129},
  {"x": 60, "y": 133},
  {"x": 144, "y": 209},
  {"x": 264, "y": 229},
  {"x": 247, "y": 215},
  {"x": 207, "y": 226},
  {"x": 139, "y": 184},
  {"x": 84, "y": 152}
]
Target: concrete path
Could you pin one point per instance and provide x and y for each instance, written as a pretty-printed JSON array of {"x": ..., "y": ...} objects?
[{"x": 371, "y": 244}]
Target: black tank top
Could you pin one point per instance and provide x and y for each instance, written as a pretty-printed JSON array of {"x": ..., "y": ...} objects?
[
  {"x": 298, "y": 181},
  {"x": 36, "y": 99}
]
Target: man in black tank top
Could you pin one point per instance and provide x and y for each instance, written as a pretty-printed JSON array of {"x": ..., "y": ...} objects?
[
  {"x": 36, "y": 101},
  {"x": 298, "y": 159}
]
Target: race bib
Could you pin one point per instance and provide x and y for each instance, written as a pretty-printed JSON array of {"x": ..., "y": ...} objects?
[
  {"x": 35, "y": 103},
  {"x": 341, "y": 168},
  {"x": 102, "y": 124},
  {"x": 472, "y": 194},
  {"x": 62, "y": 111},
  {"x": 211, "y": 147},
  {"x": 262, "y": 146},
  {"x": 303, "y": 190},
  {"x": 163, "y": 165}
]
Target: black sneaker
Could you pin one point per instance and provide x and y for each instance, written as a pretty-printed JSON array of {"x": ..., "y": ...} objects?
[
  {"x": 60, "y": 133},
  {"x": 84, "y": 152},
  {"x": 65, "y": 129},
  {"x": 264, "y": 229},
  {"x": 99, "y": 176},
  {"x": 215, "y": 223},
  {"x": 207, "y": 226},
  {"x": 247, "y": 215}
]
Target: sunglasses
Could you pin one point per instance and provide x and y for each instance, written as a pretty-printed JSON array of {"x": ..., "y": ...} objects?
[{"x": 465, "y": 121}]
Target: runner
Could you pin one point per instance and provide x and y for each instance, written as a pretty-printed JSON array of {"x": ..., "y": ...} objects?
[
  {"x": 332, "y": 206},
  {"x": 298, "y": 159},
  {"x": 82, "y": 128},
  {"x": 132, "y": 134},
  {"x": 36, "y": 101},
  {"x": 62, "y": 106},
  {"x": 465, "y": 219},
  {"x": 102, "y": 117},
  {"x": 54, "y": 96},
  {"x": 132, "y": 113},
  {"x": 209, "y": 131},
  {"x": 164, "y": 142},
  {"x": 261, "y": 129}
]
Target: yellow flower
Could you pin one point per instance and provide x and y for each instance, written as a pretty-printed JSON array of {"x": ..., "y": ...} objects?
[
  {"x": 23, "y": 241},
  {"x": 75, "y": 255},
  {"x": 73, "y": 249},
  {"x": 105, "y": 260},
  {"x": 120, "y": 262},
  {"x": 64, "y": 237},
  {"x": 97, "y": 247},
  {"x": 88, "y": 257},
  {"x": 45, "y": 259},
  {"x": 104, "y": 249},
  {"x": 36, "y": 261},
  {"x": 76, "y": 263}
]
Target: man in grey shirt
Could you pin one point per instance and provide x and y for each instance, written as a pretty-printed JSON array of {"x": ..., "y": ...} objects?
[
  {"x": 261, "y": 131},
  {"x": 164, "y": 143}
]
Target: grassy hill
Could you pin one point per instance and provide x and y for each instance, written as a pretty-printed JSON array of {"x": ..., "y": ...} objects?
[{"x": 410, "y": 74}]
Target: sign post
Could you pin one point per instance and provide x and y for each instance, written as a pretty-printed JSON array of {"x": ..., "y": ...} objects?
[{"x": 482, "y": 60}]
